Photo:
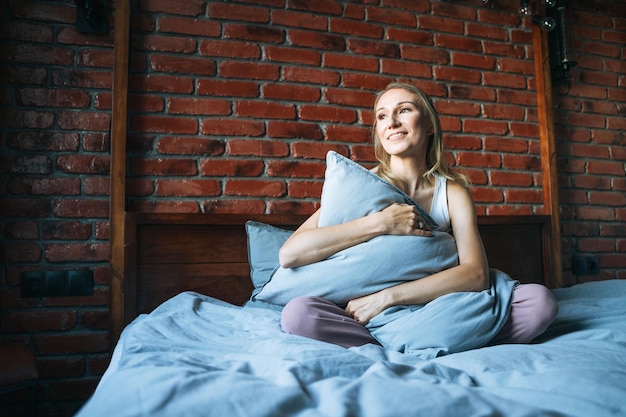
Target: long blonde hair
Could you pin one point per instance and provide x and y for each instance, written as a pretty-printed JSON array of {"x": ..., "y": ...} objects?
[{"x": 435, "y": 159}]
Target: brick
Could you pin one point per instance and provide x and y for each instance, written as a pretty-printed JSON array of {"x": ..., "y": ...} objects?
[
  {"x": 91, "y": 57},
  {"x": 71, "y": 343},
  {"x": 27, "y": 119},
  {"x": 165, "y": 43},
  {"x": 242, "y": 206},
  {"x": 607, "y": 198},
  {"x": 96, "y": 186},
  {"x": 185, "y": 8},
  {"x": 295, "y": 169},
  {"x": 294, "y": 130},
  {"x": 265, "y": 110},
  {"x": 486, "y": 195},
  {"x": 473, "y": 92},
  {"x": 325, "y": 42},
  {"x": 260, "y": 148},
  {"x": 593, "y": 244},
  {"x": 163, "y": 166},
  {"x": 22, "y": 229},
  {"x": 82, "y": 78},
  {"x": 180, "y": 65},
  {"x": 39, "y": 164},
  {"x": 291, "y": 92},
  {"x": 81, "y": 208},
  {"x": 331, "y": 7},
  {"x": 500, "y": 79},
  {"x": 76, "y": 252},
  {"x": 53, "y": 98},
  {"x": 441, "y": 24},
  {"x": 481, "y": 30},
  {"x": 356, "y": 28},
  {"x": 305, "y": 189},
  {"x": 189, "y": 26},
  {"x": 409, "y": 69},
  {"x": 391, "y": 16},
  {"x": 475, "y": 159},
  {"x": 485, "y": 126},
  {"x": 530, "y": 130},
  {"x": 346, "y": 97},
  {"x": 254, "y": 33},
  {"x": 231, "y": 168},
  {"x": 21, "y": 252},
  {"x": 84, "y": 120},
  {"x": 174, "y": 145},
  {"x": 229, "y": 49},
  {"x": 238, "y": 12},
  {"x": 83, "y": 164},
  {"x": 292, "y": 207},
  {"x": 23, "y": 75},
  {"x": 96, "y": 142},
  {"x": 145, "y": 103},
  {"x": 505, "y": 144},
  {"x": 420, "y": 6},
  {"x": 467, "y": 142},
  {"x": 161, "y": 83},
  {"x": 254, "y": 188},
  {"x": 606, "y": 167},
  {"x": 313, "y": 76},
  {"x": 457, "y": 108},
  {"x": 457, "y": 74},
  {"x": 165, "y": 206},
  {"x": 327, "y": 114},
  {"x": 61, "y": 367},
  {"x": 374, "y": 82},
  {"x": 24, "y": 207},
  {"x": 38, "y": 321},
  {"x": 94, "y": 319},
  {"x": 229, "y": 88},
  {"x": 36, "y": 54},
  {"x": 198, "y": 106},
  {"x": 352, "y": 134},
  {"x": 232, "y": 127},
  {"x": 299, "y": 19},
  {"x": 44, "y": 186},
  {"x": 313, "y": 150},
  {"x": 292, "y": 55},
  {"x": 28, "y": 32},
  {"x": 164, "y": 124},
  {"x": 248, "y": 70},
  {"x": 425, "y": 54},
  {"x": 409, "y": 36},
  {"x": 66, "y": 230},
  {"x": 528, "y": 163},
  {"x": 454, "y": 42},
  {"x": 187, "y": 188}
]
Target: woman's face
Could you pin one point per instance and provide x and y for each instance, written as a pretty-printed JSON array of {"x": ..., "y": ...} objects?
[{"x": 402, "y": 126}]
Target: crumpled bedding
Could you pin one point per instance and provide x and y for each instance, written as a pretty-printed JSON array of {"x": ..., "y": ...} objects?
[{"x": 197, "y": 356}]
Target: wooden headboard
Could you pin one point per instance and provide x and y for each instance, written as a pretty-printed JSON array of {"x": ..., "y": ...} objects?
[{"x": 166, "y": 254}]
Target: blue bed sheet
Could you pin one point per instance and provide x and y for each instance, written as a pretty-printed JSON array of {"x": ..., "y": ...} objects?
[{"x": 197, "y": 356}]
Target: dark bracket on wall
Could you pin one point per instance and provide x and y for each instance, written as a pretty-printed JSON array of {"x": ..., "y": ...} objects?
[
  {"x": 558, "y": 40},
  {"x": 91, "y": 16}
]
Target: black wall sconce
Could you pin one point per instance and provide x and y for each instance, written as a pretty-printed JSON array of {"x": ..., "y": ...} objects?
[
  {"x": 91, "y": 16},
  {"x": 554, "y": 22}
]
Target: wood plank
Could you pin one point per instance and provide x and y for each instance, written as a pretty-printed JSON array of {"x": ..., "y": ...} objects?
[
  {"x": 549, "y": 175},
  {"x": 117, "y": 202}
]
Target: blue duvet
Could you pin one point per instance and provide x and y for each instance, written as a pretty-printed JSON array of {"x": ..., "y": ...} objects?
[{"x": 197, "y": 356}]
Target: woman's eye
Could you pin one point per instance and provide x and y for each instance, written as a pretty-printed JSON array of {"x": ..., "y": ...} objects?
[
  {"x": 382, "y": 116},
  {"x": 404, "y": 110}
]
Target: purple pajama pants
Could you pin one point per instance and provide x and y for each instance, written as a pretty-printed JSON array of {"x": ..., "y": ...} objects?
[{"x": 533, "y": 309}]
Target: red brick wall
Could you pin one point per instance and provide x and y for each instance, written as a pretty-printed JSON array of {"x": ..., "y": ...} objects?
[{"x": 232, "y": 107}]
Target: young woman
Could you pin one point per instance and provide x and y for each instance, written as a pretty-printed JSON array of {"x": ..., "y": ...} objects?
[{"x": 409, "y": 147}]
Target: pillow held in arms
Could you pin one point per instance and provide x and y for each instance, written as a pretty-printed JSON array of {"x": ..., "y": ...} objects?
[
  {"x": 452, "y": 323},
  {"x": 264, "y": 242},
  {"x": 351, "y": 191}
]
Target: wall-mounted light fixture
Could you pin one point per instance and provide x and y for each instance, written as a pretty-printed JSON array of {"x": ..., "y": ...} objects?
[
  {"x": 91, "y": 16},
  {"x": 554, "y": 22}
]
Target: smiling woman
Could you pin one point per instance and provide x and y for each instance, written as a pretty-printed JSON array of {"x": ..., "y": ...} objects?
[{"x": 409, "y": 146}]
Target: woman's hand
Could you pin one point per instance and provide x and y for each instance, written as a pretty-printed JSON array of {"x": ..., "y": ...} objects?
[
  {"x": 362, "y": 309},
  {"x": 404, "y": 219}
]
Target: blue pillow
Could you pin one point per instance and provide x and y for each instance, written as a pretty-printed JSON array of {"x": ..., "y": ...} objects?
[
  {"x": 264, "y": 242},
  {"x": 350, "y": 191}
]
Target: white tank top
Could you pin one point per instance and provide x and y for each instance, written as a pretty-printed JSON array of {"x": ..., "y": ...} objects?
[{"x": 439, "y": 207}]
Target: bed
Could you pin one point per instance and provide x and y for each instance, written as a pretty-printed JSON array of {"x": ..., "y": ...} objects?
[{"x": 193, "y": 345}]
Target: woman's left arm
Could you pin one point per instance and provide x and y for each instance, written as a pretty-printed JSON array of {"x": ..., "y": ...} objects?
[{"x": 472, "y": 273}]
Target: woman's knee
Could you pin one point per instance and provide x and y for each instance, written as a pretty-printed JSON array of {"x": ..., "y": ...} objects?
[{"x": 296, "y": 314}]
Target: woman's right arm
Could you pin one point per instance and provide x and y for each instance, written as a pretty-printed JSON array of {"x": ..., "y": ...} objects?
[{"x": 311, "y": 243}]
